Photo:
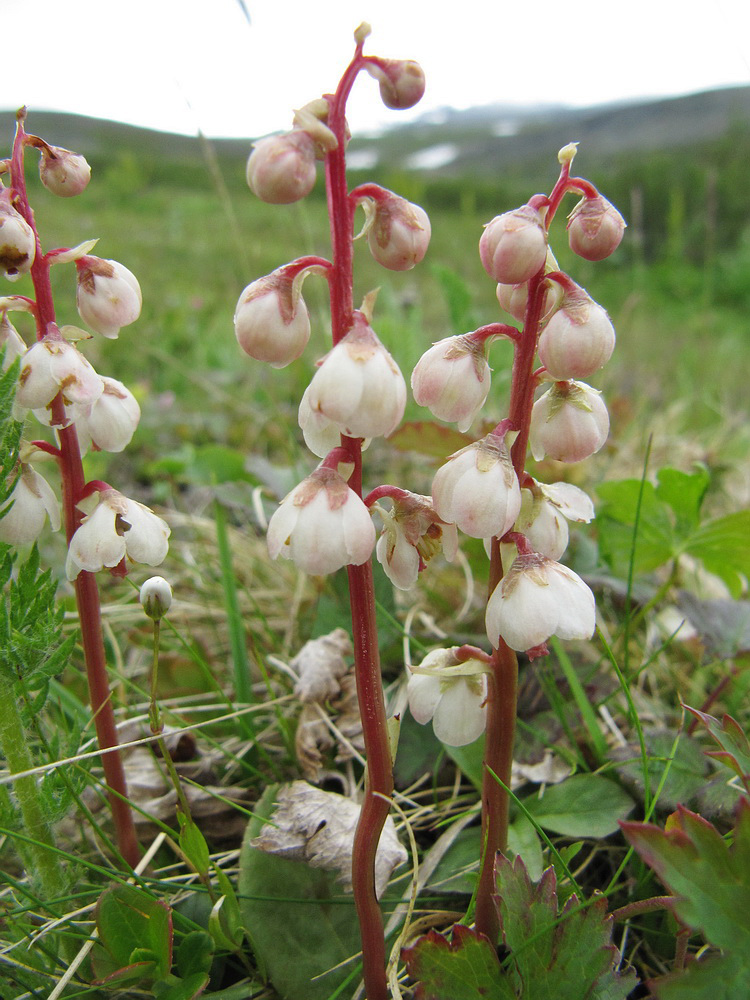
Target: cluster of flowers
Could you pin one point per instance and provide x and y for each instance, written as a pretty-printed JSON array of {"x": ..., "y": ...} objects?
[
  {"x": 481, "y": 488},
  {"x": 62, "y": 389}
]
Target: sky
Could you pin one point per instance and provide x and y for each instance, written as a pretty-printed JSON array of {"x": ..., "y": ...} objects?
[{"x": 239, "y": 67}]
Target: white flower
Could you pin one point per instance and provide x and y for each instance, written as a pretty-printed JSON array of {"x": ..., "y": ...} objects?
[
  {"x": 478, "y": 489},
  {"x": 17, "y": 241},
  {"x": 111, "y": 421},
  {"x": 108, "y": 295},
  {"x": 322, "y": 525},
  {"x": 513, "y": 247},
  {"x": 453, "y": 380},
  {"x": 453, "y": 695},
  {"x": 12, "y": 345},
  {"x": 579, "y": 338},
  {"x": 271, "y": 321},
  {"x": 412, "y": 534},
  {"x": 358, "y": 386},
  {"x": 50, "y": 367},
  {"x": 33, "y": 501},
  {"x": 537, "y": 598},
  {"x": 115, "y": 527},
  {"x": 568, "y": 423},
  {"x": 321, "y": 435},
  {"x": 545, "y": 512}
]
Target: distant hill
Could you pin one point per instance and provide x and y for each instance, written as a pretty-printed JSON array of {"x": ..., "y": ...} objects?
[{"x": 448, "y": 143}]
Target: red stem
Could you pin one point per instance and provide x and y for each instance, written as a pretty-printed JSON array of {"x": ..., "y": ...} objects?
[
  {"x": 379, "y": 773},
  {"x": 86, "y": 589}
]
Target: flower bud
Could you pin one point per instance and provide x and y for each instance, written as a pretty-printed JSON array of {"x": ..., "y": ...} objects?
[
  {"x": 33, "y": 500},
  {"x": 513, "y": 299},
  {"x": 271, "y": 321},
  {"x": 322, "y": 525},
  {"x": 595, "y": 228},
  {"x": 111, "y": 421},
  {"x": 568, "y": 423},
  {"x": 108, "y": 295},
  {"x": 578, "y": 339},
  {"x": 536, "y": 599},
  {"x": 358, "y": 386},
  {"x": 17, "y": 241},
  {"x": 62, "y": 172},
  {"x": 281, "y": 168},
  {"x": 513, "y": 247},
  {"x": 478, "y": 489},
  {"x": 398, "y": 233},
  {"x": 401, "y": 82},
  {"x": 453, "y": 380},
  {"x": 156, "y": 597},
  {"x": 53, "y": 366}
]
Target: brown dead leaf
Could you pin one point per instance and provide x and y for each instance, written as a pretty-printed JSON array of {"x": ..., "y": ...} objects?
[{"x": 320, "y": 664}]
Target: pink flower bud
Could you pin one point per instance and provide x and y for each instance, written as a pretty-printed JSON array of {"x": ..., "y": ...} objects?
[
  {"x": 399, "y": 233},
  {"x": 108, "y": 295},
  {"x": 453, "y": 380},
  {"x": 63, "y": 173},
  {"x": 401, "y": 82},
  {"x": 281, "y": 168},
  {"x": 568, "y": 423},
  {"x": 53, "y": 366},
  {"x": 513, "y": 299},
  {"x": 271, "y": 321},
  {"x": 33, "y": 501},
  {"x": 595, "y": 228},
  {"x": 478, "y": 489},
  {"x": 111, "y": 421},
  {"x": 358, "y": 386},
  {"x": 579, "y": 338},
  {"x": 536, "y": 599},
  {"x": 17, "y": 241},
  {"x": 115, "y": 527},
  {"x": 513, "y": 246},
  {"x": 322, "y": 525}
]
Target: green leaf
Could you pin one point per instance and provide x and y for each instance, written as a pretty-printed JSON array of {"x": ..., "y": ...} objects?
[
  {"x": 300, "y": 922},
  {"x": 467, "y": 968},
  {"x": 183, "y": 989},
  {"x": 723, "y": 546},
  {"x": 193, "y": 844},
  {"x": 428, "y": 438},
  {"x": 616, "y": 518},
  {"x": 710, "y": 879},
  {"x": 194, "y": 954},
  {"x": 470, "y": 760},
  {"x": 735, "y": 746},
  {"x": 684, "y": 492},
  {"x": 584, "y": 805},
  {"x": 719, "y": 977},
  {"x": 556, "y": 958},
  {"x": 133, "y": 927},
  {"x": 688, "y": 768}
]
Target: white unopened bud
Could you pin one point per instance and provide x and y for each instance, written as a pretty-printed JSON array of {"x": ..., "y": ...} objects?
[
  {"x": 453, "y": 380},
  {"x": 156, "y": 597},
  {"x": 513, "y": 247},
  {"x": 271, "y": 321},
  {"x": 595, "y": 228},
  {"x": 17, "y": 241},
  {"x": 568, "y": 423},
  {"x": 578, "y": 339},
  {"x": 62, "y": 172},
  {"x": 108, "y": 296},
  {"x": 399, "y": 233},
  {"x": 281, "y": 168}
]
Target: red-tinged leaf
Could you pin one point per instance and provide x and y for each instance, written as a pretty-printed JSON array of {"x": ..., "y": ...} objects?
[
  {"x": 710, "y": 879},
  {"x": 130, "y": 923},
  {"x": 735, "y": 746},
  {"x": 557, "y": 957},
  {"x": 467, "y": 968},
  {"x": 428, "y": 438}
]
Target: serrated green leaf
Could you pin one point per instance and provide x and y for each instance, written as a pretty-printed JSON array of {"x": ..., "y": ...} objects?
[
  {"x": 723, "y": 546},
  {"x": 584, "y": 805},
  {"x": 467, "y": 968},
  {"x": 684, "y": 492},
  {"x": 710, "y": 879}
]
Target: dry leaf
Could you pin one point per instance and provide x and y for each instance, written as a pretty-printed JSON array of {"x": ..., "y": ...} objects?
[
  {"x": 550, "y": 770},
  {"x": 319, "y": 665},
  {"x": 317, "y": 827},
  {"x": 312, "y": 736}
]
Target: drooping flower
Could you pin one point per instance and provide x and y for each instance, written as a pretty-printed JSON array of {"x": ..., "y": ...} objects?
[
  {"x": 358, "y": 386},
  {"x": 545, "y": 512},
  {"x": 412, "y": 534},
  {"x": 115, "y": 527},
  {"x": 322, "y": 525},
  {"x": 538, "y": 598},
  {"x": 452, "y": 693},
  {"x": 398, "y": 232},
  {"x": 63, "y": 172},
  {"x": 12, "y": 345},
  {"x": 271, "y": 321},
  {"x": 33, "y": 501},
  {"x": 50, "y": 367},
  {"x": 108, "y": 296},
  {"x": 281, "y": 168},
  {"x": 478, "y": 489},
  {"x": 578, "y": 339},
  {"x": 111, "y": 420},
  {"x": 513, "y": 247},
  {"x": 568, "y": 423},
  {"x": 401, "y": 81},
  {"x": 595, "y": 228},
  {"x": 452, "y": 378},
  {"x": 17, "y": 241}
]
